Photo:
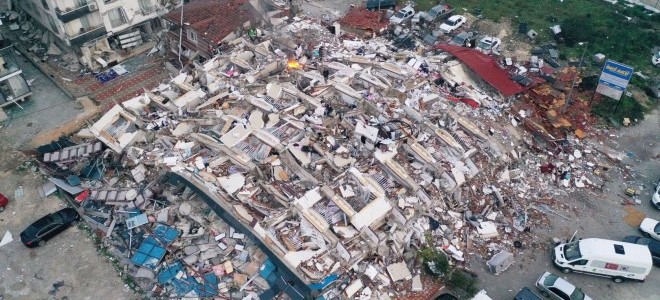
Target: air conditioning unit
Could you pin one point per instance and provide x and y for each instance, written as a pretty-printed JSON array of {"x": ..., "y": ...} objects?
[{"x": 93, "y": 6}]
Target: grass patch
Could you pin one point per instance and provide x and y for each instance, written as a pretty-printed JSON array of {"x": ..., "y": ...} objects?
[
  {"x": 594, "y": 21},
  {"x": 611, "y": 110}
]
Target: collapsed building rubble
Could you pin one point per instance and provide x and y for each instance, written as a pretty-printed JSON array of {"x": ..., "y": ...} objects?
[{"x": 317, "y": 167}]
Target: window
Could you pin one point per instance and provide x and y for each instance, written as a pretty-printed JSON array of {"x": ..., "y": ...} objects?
[
  {"x": 146, "y": 6},
  {"x": 618, "y": 249},
  {"x": 581, "y": 262},
  {"x": 45, "y": 4},
  {"x": 117, "y": 17},
  {"x": 85, "y": 23},
  {"x": 559, "y": 293},
  {"x": 192, "y": 36}
]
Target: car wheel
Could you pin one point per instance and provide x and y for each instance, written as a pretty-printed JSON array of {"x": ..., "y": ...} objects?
[
  {"x": 2, "y": 208},
  {"x": 565, "y": 270},
  {"x": 41, "y": 243},
  {"x": 646, "y": 234},
  {"x": 617, "y": 279},
  {"x": 545, "y": 294}
]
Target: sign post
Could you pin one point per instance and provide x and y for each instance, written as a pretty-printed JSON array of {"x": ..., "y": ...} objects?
[{"x": 614, "y": 79}]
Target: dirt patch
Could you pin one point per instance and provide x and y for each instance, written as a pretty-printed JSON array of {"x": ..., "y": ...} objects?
[
  {"x": 514, "y": 45},
  {"x": 89, "y": 111}
]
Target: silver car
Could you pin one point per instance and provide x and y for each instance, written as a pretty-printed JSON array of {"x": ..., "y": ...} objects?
[{"x": 555, "y": 287}]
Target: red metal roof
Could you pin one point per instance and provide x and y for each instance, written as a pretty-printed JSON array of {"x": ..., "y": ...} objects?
[
  {"x": 486, "y": 67},
  {"x": 361, "y": 18},
  {"x": 213, "y": 20}
]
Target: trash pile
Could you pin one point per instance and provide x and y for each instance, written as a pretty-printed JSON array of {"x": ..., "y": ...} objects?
[{"x": 306, "y": 163}]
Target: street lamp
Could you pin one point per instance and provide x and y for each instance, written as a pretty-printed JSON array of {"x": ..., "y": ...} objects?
[{"x": 570, "y": 93}]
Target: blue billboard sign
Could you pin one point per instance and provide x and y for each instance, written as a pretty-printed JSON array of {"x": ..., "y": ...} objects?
[{"x": 614, "y": 79}]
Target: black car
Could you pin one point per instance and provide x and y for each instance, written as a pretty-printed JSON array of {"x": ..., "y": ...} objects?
[
  {"x": 526, "y": 294},
  {"x": 653, "y": 245},
  {"x": 49, "y": 226}
]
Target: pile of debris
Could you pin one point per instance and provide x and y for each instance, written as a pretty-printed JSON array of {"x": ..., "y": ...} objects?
[{"x": 315, "y": 168}]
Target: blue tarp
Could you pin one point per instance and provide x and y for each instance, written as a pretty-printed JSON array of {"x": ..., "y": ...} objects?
[
  {"x": 165, "y": 234},
  {"x": 170, "y": 272},
  {"x": 267, "y": 268},
  {"x": 323, "y": 284},
  {"x": 149, "y": 253},
  {"x": 209, "y": 287},
  {"x": 187, "y": 283}
]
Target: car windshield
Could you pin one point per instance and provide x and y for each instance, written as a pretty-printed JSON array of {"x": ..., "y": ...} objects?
[
  {"x": 657, "y": 228},
  {"x": 399, "y": 14},
  {"x": 572, "y": 251},
  {"x": 550, "y": 280},
  {"x": 450, "y": 22},
  {"x": 577, "y": 295},
  {"x": 434, "y": 11},
  {"x": 485, "y": 45}
]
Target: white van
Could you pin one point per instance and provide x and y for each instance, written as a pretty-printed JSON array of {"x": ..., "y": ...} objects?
[{"x": 617, "y": 260}]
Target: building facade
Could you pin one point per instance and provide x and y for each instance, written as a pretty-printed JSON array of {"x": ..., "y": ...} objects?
[{"x": 98, "y": 28}]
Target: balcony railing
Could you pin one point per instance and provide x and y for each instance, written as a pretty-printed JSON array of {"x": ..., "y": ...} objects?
[
  {"x": 88, "y": 35},
  {"x": 72, "y": 14}
]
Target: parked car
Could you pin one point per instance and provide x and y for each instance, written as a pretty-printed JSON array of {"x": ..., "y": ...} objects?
[
  {"x": 489, "y": 44},
  {"x": 526, "y": 294},
  {"x": 49, "y": 226},
  {"x": 654, "y": 246},
  {"x": 650, "y": 228},
  {"x": 555, "y": 287},
  {"x": 3, "y": 202},
  {"x": 461, "y": 39},
  {"x": 437, "y": 13},
  {"x": 434, "y": 14},
  {"x": 655, "y": 199},
  {"x": 380, "y": 4},
  {"x": 452, "y": 23},
  {"x": 402, "y": 15}
]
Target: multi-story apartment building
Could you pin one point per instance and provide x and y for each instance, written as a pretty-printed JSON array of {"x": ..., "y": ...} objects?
[{"x": 92, "y": 27}]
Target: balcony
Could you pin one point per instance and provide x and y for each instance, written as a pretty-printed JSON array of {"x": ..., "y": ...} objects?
[
  {"x": 72, "y": 14},
  {"x": 90, "y": 34}
]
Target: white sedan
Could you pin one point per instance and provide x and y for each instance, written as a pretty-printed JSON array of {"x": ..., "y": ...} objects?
[
  {"x": 489, "y": 44},
  {"x": 452, "y": 23},
  {"x": 650, "y": 228},
  {"x": 655, "y": 199},
  {"x": 402, "y": 15},
  {"x": 555, "y": 287}
]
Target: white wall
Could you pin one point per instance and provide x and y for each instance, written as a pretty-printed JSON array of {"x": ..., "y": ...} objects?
[
  {"x": 133, "y": 14},
  {"x": 73, "y": 27}
]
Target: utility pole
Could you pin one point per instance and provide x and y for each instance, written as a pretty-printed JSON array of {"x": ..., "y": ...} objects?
[
  {"x": 181, "y": 36},
  {"x": 577, "y": 73}
]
